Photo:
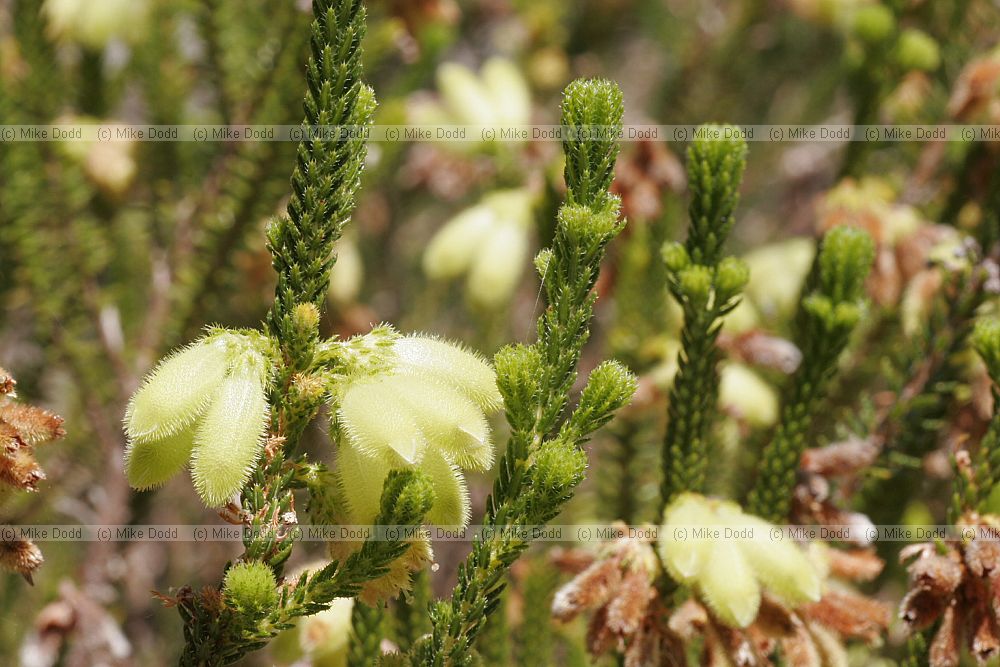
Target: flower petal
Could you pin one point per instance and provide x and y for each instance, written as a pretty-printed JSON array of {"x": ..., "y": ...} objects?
[
  {"x": 466, "y": 371},
  {"x": 451, "y": 497},
  {"x": 229, "y": 438},
  {"x": 682, "y": 551},
  {"x": 728, "y": 585},
  {"x": 150, "y": 463},
  {"x": 376, "y": 421},
  {"x": 361, "y": 478},
  {"x": 176, "y": 391},
  {"x": 449, "y": 421}
]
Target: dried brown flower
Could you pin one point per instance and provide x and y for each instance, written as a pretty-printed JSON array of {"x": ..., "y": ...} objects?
[
  {"x": 22, "y": 427},
  {"x": 955, "y": 584},
  {"x": 20, "y": 556}
]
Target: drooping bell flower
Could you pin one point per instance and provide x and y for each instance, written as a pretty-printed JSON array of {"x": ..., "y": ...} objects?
[
  {"x": 735, "y": 557},
  {"x": 205, "y": 405},
  {"x": 426, "y": 406}
]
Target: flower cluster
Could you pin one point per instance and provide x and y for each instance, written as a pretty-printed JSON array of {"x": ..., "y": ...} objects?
[
  {"x": 953, "y": 588},
  {"x": 487, "y": 242},
  {"x": 22, "y": 428},
  {"x": 729, "y": 571},
  {"x": 206, "y": 404},
  {"x": 497, "y": 95},
  {"x": 419, "y": 403},
  {"x": 94, "y": 24}
]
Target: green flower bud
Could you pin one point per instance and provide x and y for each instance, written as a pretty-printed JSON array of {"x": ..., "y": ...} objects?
[
  {"x": 675, "y": 256},
  {"x": 986, "y": 341},
  {"x": 250, "y": 588},
  {"x": 609, "y": 387},
  {"x": 542, "y": 260},
  {"x": 695, "y": 283},
  {"x": 874, "y": 23},
  {"x": 916, "y": 50},
  {"x": 847, "y": 315},
  {"x": 559, "y": 467},
  {"x": 407, "y": 495},
  {"x": 305, "y": 317},
  {"x": 587, "y": 226},
  {"x": 731, "y": 277},
  {"x": 819, "y": 307},
  {"x": 845, "y": 258},
  {"x": 517, "y": 373}
]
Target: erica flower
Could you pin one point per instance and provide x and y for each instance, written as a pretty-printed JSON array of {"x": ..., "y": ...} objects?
[
  {"x": 205, "y": 404},
  {"x": 734, "y": 560},
  {"x": 425, "y": 406},
  {"x": 94, "y": 24},
  {"x": 487, "y": 242},
  {"x": 498, "y": 94}
]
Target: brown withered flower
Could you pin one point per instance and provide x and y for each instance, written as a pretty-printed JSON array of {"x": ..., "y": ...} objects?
[
  {"x": 22, "y": 427},
  {"x": 617, "y": 586},
  {"x": 956, "y": 584}
]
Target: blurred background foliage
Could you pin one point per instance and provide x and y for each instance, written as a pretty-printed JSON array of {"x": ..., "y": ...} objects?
[{"x": 112, "y": 254}]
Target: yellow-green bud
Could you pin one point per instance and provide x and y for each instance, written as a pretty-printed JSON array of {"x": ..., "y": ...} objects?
[
  {"x": 675, "y": 256},
  {"x": 917, "y": 50},
  {"x": 559, "y": 466},
  {"x": 587, "y": 226},
  {"x": 250, "y": 587},
  {"x": 696, "y": 283},
  {"x": 986, "y": 341},
  {"x": 542, "y": 260},
  {"x": 874, "y": 23},
  {"x": 731, "y": 277},
  {"x": 306, "y": 318}
]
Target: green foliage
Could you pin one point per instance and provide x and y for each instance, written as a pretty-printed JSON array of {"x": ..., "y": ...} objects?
[
  {"x": 542, "y": 464},
  {"x": 591, "y": 119},
  {"x": 830, "y": 309},
  {"x": 708, "y": 287},
  {"x": 367, "y": 630}
]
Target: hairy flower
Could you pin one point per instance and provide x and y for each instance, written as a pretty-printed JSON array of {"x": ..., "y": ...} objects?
[
  {"x": 426, "y": 408},
  {"x": 94, "y": 24},
  {"x": 206, "y": 404},
  {"x": 488, "y": 243},
  {"x": 737, "y": 559}
]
